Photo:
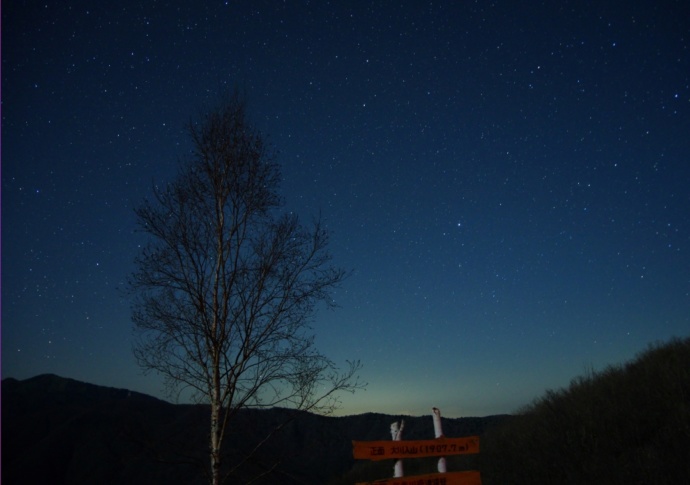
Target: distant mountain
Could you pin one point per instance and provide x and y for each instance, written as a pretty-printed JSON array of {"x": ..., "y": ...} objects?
[{"x": 61, "y": 431}]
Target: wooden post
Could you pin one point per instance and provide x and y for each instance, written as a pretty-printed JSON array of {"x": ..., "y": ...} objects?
[
  {"x": 438, "y": 432},
  {"x": 396, "y": 434},
  {"x": 438, "y": 447}
]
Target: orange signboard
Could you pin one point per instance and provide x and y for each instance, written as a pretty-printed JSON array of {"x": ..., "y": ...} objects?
[
  {"x": 384, "y": 450},
  {"x": 450, "y": 478}
]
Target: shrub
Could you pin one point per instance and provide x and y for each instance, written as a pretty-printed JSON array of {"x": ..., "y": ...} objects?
[{"x": 626, "y": 424}]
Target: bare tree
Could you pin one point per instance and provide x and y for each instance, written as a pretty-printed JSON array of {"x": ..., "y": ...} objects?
[{"x": 225, "y": 291}]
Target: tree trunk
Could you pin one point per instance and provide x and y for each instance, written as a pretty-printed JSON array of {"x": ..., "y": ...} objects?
[{"x": 216, "y": 432}]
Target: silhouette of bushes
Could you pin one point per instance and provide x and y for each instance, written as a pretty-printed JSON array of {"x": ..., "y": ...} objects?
[{"x": 627, "y": 424}]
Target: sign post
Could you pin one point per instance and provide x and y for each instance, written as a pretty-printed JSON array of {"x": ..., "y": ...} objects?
[
  {"x": 398, "y": 449},
  {"x": 386, "y": 450},
  {"x": 438, "y": 432},
  {"x": 396, "y": 434}
]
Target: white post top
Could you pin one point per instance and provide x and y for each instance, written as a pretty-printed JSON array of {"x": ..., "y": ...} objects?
[
  {"x": 438, "y": 429},
  {"x": 396, "y": 434},
  {"x": 438, "y": 432},
  {"x": 397, "y": 429}
]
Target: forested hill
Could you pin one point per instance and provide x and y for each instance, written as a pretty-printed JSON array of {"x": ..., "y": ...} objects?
[
  {"x": 625, "y": 424},
  {"x": 57, "y": 430}
]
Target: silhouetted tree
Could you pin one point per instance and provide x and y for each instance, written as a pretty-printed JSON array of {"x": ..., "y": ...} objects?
[{"x": 225, "y": 289}]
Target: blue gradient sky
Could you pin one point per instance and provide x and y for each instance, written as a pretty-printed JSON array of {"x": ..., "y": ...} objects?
[{"x": 508, "y": 183}]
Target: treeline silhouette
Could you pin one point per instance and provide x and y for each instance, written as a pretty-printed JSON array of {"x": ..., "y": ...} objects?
[
  {"x": 627, "y": 424},
  {"x": 61, "y": 431}
]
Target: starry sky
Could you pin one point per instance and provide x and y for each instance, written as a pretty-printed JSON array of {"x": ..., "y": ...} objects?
[{"x": 507, "y": 181}]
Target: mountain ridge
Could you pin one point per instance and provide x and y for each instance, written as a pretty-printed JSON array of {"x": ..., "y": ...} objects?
[{"x": 86, "y": 433}]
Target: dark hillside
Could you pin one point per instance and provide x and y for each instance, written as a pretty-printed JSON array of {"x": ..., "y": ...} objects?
[
  {"x": 62, "y": 431},
  {"x": 628, "y": 424},
  {"x": 57, "y": 430}
]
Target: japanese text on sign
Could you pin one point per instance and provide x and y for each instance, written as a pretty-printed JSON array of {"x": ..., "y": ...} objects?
[{"x": 382, "y": 450}]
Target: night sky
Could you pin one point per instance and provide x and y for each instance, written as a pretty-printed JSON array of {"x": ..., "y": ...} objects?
[{"x": 509, "y": 184}]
